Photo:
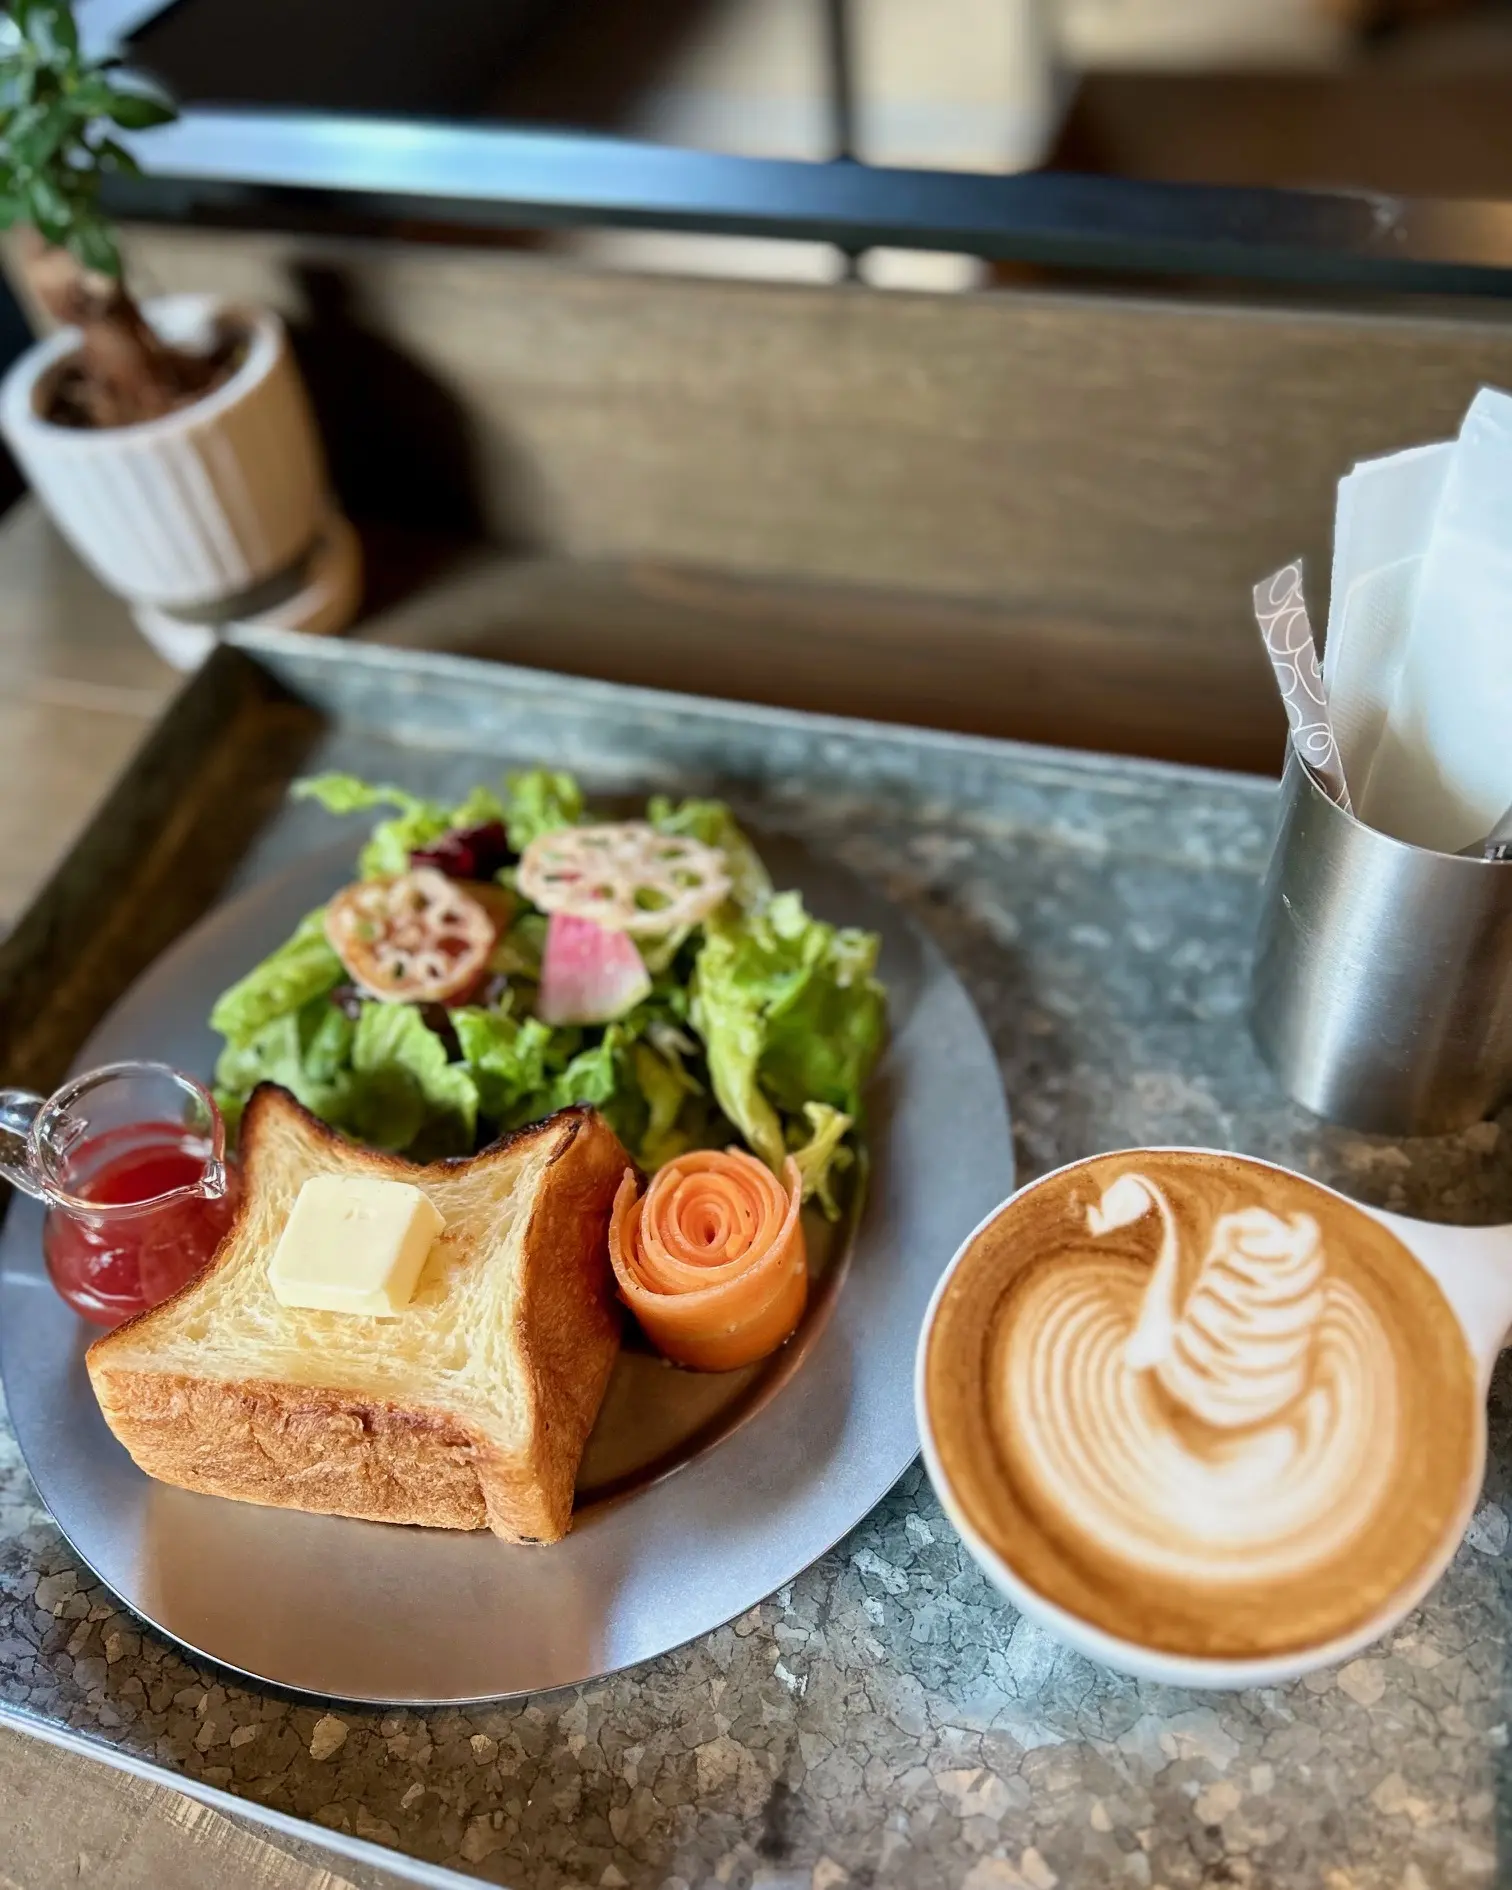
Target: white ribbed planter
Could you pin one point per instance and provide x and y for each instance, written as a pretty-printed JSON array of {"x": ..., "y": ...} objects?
[{"x": 200, "y": 505}]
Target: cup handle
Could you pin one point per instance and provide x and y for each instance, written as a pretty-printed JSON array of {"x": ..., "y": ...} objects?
[
  {"x": 18, "y": 1110},
  {"x": 1473, "y": 1266}
]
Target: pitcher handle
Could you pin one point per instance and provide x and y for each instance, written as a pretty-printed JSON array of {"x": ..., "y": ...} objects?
[{"x": 18, "y": 1111}]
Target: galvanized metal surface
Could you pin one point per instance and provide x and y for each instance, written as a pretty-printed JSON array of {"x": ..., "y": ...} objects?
[{"x": 884, "y": 1716}]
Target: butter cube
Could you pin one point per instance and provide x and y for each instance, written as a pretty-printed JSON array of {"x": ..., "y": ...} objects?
[{"x": 354, "y": 1244}]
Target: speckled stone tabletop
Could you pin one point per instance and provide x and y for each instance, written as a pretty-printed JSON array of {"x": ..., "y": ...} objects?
[{"x": 886, "y": 1719}]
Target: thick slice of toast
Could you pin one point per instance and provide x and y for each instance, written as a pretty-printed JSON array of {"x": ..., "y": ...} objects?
[{"x": 468, "y": 1410}]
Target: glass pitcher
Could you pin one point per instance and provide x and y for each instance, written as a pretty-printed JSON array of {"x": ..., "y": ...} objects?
[{"x": 130, "y": 1161}]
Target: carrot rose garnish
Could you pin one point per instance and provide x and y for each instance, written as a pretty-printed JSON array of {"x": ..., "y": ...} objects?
[{"x": 711, "y": 1258}]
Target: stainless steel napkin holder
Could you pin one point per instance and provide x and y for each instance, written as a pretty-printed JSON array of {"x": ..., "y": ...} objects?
[{"x": 1382, "y": 988}]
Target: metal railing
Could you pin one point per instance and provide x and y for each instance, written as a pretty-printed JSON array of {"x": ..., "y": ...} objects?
[{"x": 270, "y": 166}]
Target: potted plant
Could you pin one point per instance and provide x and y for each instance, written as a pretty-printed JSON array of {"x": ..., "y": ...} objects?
[{"x": 171, "y": 441}]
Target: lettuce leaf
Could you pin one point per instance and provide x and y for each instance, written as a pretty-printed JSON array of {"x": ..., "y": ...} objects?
[
  {"x": 790, "y": 1014},
  {"x": 788, "y": 1010},
  {"x": 823, "y": 1156},
  {"x": 667, "y": 1088},
  {"x": 307, "y": 1050},
  {"x": 326, "y": 1034},
  {"x": 593, "y": 1075},
  {"x": 416, "y": 822},
  {"x": 714, "y": 824},
  {"x": 540, "y": 801},
  {"x": 825, "y": 1031},
  {"x": 523, "y": 1070},
  {"x": 507, "y": 1059},
  {"x": 302, "y": 968},
  {"x": 728, "y": 1017},
  {"x": 404, "y": 1091},
  {"x": 476, "y": 808}
]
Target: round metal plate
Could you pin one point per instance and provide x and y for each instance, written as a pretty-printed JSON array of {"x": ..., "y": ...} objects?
[{"x": 694, "y": 1512}]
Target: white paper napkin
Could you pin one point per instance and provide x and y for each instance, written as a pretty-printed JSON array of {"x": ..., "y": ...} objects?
[
  {"x": 1385, "y": 514},
  {"x": 1419, "y": 659}
]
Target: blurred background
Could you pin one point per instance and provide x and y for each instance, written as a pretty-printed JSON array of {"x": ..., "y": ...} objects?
[
  {"x": 1029, "y": 501},
  {"x": 1405, "y": 96}
]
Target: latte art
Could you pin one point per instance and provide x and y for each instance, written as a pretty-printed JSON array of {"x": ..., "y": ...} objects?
[
  {"x": 1154, "y": 1477},
  {"x": 1239, "y": 1350},
  {"x": 1217, "y": 1410}
]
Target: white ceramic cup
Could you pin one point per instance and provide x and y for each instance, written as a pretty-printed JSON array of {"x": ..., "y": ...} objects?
[{"x": 1473, "y": 1268}]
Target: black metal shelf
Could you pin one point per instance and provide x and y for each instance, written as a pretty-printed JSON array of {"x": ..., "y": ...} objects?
[{"x": 268, "y": 166}]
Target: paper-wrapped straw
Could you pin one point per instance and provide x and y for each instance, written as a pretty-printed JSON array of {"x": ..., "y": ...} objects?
[{"x": 1288, "y": 638}]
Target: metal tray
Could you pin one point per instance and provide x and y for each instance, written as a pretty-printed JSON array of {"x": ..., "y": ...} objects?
[
  {"x": 699, "y": 1496},
  {"x": 885, "y": 1714}
]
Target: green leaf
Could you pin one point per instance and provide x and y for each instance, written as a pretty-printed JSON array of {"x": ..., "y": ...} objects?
[
  {"x": 393, "y": 841},
  {"x": 348, "y": 794},
  {"x": 790, "y": 1014},
  {"x": 24, "y": 11},
  {"x": 328, "y": 1052},
  {"x": 304, "y": 1051},
  {"x": 139, "y": 111},
  {"x": 667, "y": 1087},
  {"x": 116, "y": 159},
  {"x": 592, "y": 1076},
  {"x": 507, "y": 1058},
  {"x": 540, "y": 801},
  {"x": 302, "y": 968},
  {"x": 478, "y": 807},
  {"x": 405, "y": 1089},
  {"x": 43, "y": 139},
  {"x": 417, "y": 823},
  {"x": 730, "y": 1022},
  {"x": 388, "y": 851},
  {"x": 824, "y": 1036},
  {"x": 22, "y": 126},
  {"x": 518, "y": 954},
  {"x": 92, "y": 94},
  {"x": 601, "y": 1076},
  {"x": 17, "y": 79},
  {"x": 823, "y": 1155},
  {"x": 12, "y": 210},
  {"x": 91, "y": 241},
  {"x": 54, "y": 30},
  {"x": 714, "y": 824},
  {"x": 660, "y": 954},
  {"x": 47, "y": 208}
]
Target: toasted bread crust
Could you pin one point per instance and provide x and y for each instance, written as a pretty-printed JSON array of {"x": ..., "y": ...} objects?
[
  {"x": 329, "y": 1450},
  {"x": 295, "y": 1447},
  {"x": 570, "y": 1313}
]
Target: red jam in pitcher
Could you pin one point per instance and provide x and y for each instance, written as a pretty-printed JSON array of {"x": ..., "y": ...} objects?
[
  {"x": 130, "y": 1162},
  {"x": 113, "y": 1266}
]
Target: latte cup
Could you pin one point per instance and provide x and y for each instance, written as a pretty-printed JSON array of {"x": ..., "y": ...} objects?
[{"x": 1207, "y": 1421}]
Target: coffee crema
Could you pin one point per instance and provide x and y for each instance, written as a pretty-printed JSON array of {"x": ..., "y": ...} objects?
[{"x": 1204, "y": 1406}]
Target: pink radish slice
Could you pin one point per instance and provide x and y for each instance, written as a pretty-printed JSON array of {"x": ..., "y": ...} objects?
[{"x": 589, "y": 975}]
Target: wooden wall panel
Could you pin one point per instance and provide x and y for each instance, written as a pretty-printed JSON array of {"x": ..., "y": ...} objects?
[{"x": 1128, "y": 465}]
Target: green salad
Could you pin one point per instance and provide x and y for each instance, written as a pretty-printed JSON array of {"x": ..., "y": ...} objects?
[{"x": 509, "y": 956}]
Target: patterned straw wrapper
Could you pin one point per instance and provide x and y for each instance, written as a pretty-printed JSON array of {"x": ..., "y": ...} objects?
[{"x": 1288, "y": 638}]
